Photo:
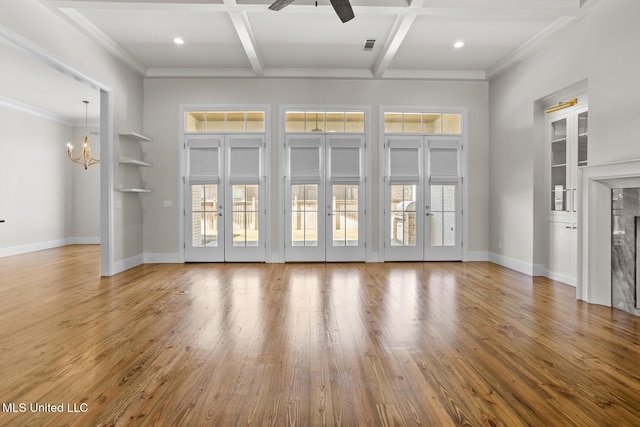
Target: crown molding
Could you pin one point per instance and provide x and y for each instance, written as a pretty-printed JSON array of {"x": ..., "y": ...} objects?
[
  {"x": 35, "y": 111},
  {"x": 103, "y": 40}
]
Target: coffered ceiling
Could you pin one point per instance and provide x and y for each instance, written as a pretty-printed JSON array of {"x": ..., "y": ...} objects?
[
  {"x": 414, "y": 38},
  {"x": 242, "y": 38}
]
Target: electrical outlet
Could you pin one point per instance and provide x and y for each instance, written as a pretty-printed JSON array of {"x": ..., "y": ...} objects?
[
  {"x": 499, "y": 244},
  {"x": 167, "y": 204}
]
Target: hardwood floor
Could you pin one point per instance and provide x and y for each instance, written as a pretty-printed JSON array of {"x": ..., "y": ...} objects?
[{"x": 430, "y": 344}]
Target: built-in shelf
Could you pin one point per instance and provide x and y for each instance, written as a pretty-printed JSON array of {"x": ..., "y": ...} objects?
[
  {"x": 559, "y": 140},
  {"x": 135, "y": 190},
  {"x": 133, "y": 162},
  {"x": 135, "y": 136},
  {"x": 129, "y": 159},
  {"x": 559, "y": 165}
]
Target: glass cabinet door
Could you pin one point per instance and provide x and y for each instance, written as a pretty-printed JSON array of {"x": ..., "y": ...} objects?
[
  {"x": 583, "y": 134},
  {"x": 559, "y": 159}
]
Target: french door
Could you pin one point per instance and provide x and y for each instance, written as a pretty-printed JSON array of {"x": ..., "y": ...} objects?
[
  {"x": 423, "y": 199},
  {"x": 324, "y": 198},
  {"x": 224, "y": 198}
]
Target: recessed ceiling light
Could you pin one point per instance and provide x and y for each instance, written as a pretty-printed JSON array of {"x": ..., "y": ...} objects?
[
  {"x": 178, "y": 40},
  {"x": 458, "y": 44}
]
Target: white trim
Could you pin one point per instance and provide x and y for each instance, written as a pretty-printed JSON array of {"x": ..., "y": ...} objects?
[
  {"x": 568, "y": 280},
  {"x": 49, "y": 244},
  {"x": 512, "y": 263},
  {"x": 162, "y": 258},
  {"x": 107, "y": 251},
  {"x": 103, "y": 40},
  {"x": 464, "y": 172},
  {"x": 24, "y": 45},
  {"x": 477, "y": 256},
  {"x": 594, "y": 226},
  {"x": 127, "y": 264},
  {"x": 368, "y": 159},
  {"x": 94, "y": 240},
  {"x": 35, "y": 111},
  {"x": 182, "y": 140}
]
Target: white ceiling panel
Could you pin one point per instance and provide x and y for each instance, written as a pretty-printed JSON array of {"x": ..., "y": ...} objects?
[{"x": 429, "y": 43}]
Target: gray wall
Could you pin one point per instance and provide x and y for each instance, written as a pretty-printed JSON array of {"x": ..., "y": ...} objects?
[
  {"x": 53, "y": 34},
  {"x": 601, "y": 48},
  {"x": 34, "y": 181},
  {"x": 161, "y": 122}
]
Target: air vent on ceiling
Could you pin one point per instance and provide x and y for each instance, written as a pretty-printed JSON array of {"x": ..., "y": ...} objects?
[{"x": 368, "y": 44}]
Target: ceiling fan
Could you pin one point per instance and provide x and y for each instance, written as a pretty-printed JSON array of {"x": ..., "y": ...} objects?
[{"x": 342, "y": 8}]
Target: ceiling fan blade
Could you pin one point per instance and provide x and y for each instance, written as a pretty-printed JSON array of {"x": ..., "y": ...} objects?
[
  {"x": 279, "y": 4},
  {"x": 343, "y": 9}
]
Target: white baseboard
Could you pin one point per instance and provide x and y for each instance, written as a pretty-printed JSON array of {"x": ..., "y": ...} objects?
[
  {"x": 49, "y": 244},
  {"x": 126, "y": 264},
  {"x": 539, "y": 270},
  {"x": 512, "y": 263},
  {"x": 162, "y": 258},
  {"x": 86, "y": 240},
  {"x": 477, "y": 256},
  {"x": 561, "y": 278}
]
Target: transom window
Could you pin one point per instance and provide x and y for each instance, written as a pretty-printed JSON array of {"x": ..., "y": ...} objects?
[
  {"x": 422, "y": 123},
  {"x": 224, "y": 121},
  {"x": 325, "y": 121}
]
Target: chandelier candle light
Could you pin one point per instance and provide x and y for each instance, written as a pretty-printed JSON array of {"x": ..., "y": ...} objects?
[{"x": 85, "y": 158}]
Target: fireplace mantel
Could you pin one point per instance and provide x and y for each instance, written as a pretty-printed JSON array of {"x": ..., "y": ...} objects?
[{"x": 594, "y": 222}]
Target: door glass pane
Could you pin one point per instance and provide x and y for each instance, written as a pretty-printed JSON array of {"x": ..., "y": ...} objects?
[
  {"x": 559, "y": 165},
  {"x": 215, "y": 121},
  {"x": 314, "y": 121},
  {"x": 204, "y": 218},
  {"x": 432, "y": 123},
  {"x": 443, "y": 215},
  {"x": 295, "y": 121},
  {"x": 304, "y": 215},
  {"x": 245, "y": 215},
  {"x": 403, "y": 215},
  {"x": 412, "y": 123},
  {"x": 354, "y": 122},
  {"x": 335, "y": 122},
  {"x": 194, "y": 122},
  {"x": 255, "y": 121},
  {"x": 345, "y": 215},
  {"x": 451, "y": 123},
  {"x": 583, "y": 136},
  {"x": 235, "y": 121},
  {"x": 393, "y": 122}
]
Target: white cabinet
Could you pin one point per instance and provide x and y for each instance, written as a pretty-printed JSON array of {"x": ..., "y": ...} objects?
[
  {"x": 567, "y": 139},
  {"x": 563, "y": 257},
  {"x": 132, "y": 158}
]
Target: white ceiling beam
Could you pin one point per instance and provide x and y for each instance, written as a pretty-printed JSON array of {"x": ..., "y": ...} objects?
[
  {"x": 245, "y": 34},
  {"x": 399, "y": 31}
]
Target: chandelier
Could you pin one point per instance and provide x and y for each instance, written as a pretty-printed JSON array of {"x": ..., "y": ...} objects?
[{"x": 85, "y": 158}]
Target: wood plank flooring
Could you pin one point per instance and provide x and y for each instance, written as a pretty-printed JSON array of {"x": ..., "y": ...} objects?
[{"x": 428, "y": 344}]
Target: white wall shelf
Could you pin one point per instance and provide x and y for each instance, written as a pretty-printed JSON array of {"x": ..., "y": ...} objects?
[
  {"x": 133, "y": 162},
  {"x": 135, "y": 190},
  {"x": 136, "y": 136},
  {"x": 132, "y": 155}
]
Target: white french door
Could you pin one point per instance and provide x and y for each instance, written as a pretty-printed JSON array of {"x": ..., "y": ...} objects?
[
  {"x": 224, "y": 198},
  {"x": 423, "y": 199},
  {"x": 324, "y": 193}
]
